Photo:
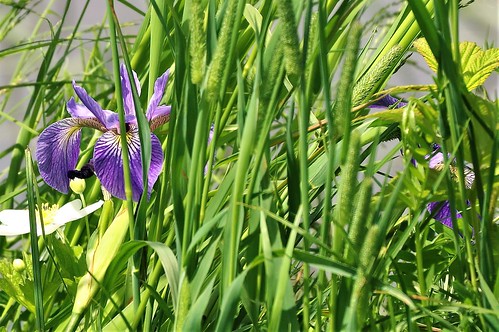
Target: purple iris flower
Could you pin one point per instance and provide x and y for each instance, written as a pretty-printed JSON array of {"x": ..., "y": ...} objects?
[
  {"x": 439, "y": 210},
  {"x": 59, "y": 144}
]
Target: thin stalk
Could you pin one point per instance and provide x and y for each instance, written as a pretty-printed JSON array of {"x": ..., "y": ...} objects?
[
  {"x": 35, "y": 253},
  {"x": 31, "y": 117},
  {"x": 303, "y": 121},
  {"x": 123, "y": 133},
  {"x": 326, "y": 224}
]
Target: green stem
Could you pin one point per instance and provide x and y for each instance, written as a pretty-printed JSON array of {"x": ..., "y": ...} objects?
[{"x": 123, "y": 133}]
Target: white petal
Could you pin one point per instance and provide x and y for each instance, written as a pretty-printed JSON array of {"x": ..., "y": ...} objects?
[
  {"x": 14, "y": 222},
  {"x": 13, "y": 217},
  {"x": 49, "y": 228},
  {"x": 72, "y": 211},
  {"x": 21, "y": 228}
]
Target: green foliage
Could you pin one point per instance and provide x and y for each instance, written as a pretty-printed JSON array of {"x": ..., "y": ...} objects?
[
  {"x": 279, "y": 207},
  {"x": 476, "y": 64}
]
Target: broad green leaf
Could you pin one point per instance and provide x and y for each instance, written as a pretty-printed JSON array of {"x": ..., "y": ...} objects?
[
  {"x": 484, "y": 118},
  {"x": 476, "y": 64},
  {"x": 253, "y": 16},
  {"x": 11, "y": 282}
]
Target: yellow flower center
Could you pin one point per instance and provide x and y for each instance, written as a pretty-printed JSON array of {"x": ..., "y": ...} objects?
[{"x": 48, "y": 213}]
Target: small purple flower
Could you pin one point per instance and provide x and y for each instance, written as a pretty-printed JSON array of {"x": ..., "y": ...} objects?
[
  {"x": 388, "y": 101},
  {"x": 59, "y": 144},
  {"x": 439, "y": 210}
]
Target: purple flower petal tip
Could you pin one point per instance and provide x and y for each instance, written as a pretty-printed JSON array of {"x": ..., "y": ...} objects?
[
  {"x": 159, "y": 90},
  {"x": 388, "y": 101},
  {"x": 441, "y": 212}
]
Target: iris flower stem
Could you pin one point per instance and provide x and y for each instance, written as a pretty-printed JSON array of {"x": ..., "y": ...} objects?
[{"x": 126, "y": 159}]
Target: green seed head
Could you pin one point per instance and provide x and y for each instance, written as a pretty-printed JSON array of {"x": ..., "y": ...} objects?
[{"x": 376, "y": 75}]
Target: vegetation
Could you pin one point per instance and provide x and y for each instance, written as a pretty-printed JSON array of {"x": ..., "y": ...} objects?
[{"x": 282, "y": 200}]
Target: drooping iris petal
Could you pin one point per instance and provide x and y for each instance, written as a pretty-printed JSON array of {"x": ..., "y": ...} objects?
[
  {"x": 126, "y": 90},
  {"x": 156, "y": 165},
  {"x": 107, "y": 118},
  {"x": 108, "y": 163},
  {"x": 388, "y": 101},
  {"x": 441, "y": 212},
  {"x": 57, "y": 152},
  {"x": 159, "y": 91}
]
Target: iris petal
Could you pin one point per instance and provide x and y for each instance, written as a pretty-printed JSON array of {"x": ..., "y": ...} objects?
[
  {"x": 436, "y": 161},
  {"x": 107, "y": 118},
  {"x": 160, "y": 117},
  {"x": 78, "y": 110},
  {"x": 57, "y": 152},
  {"x": 159, "y": 91},
  {"x": 126, "y": 90},
  {"x": 441, "y": 212},
  {"x": 388, "y": 101},
  {"x": 108, "y": 163}
]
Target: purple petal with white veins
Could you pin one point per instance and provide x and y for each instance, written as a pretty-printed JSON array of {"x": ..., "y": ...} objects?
[
  {"x": 108, "y": 118},
  {"x": 57, "y": 152},
  {"x": 159, "y": 91},
  {"x": 441, "y": 212},
  {"x": 108, "y": 163},
  {"x": 126, "y": 90},
  {"x": 156, "y": 166}
]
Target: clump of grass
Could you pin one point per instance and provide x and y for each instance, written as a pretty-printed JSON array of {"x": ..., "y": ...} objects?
[{"x": 277, "y": 207}]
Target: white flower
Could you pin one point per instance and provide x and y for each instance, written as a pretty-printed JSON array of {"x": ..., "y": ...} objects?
[{"x": 16, "y": 222}]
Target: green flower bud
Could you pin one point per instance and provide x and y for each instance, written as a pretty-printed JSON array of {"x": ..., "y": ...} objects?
[
  {"x": 77, "y": 185},
  {"x": 19, "y": 265}
]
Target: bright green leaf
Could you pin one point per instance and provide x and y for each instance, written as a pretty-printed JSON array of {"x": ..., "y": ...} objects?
[{"x": 476, "y": 64}]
